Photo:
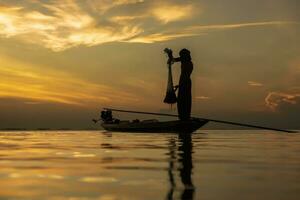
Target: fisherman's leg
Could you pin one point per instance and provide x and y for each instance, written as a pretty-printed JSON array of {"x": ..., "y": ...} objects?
[
  {"x": 189, "y": 100},
  {"x": 181, "y": 104},
  {"x": 180, "y": 109},
  {"x": 186, "y": 112},
  {"x": 185, "y": 102},
  {"x": 188, "y": 107},
  {"x": 183, "y": 109}
]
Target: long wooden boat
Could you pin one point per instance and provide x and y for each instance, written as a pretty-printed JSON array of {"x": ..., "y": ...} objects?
[{"x": 155, "y": 126}]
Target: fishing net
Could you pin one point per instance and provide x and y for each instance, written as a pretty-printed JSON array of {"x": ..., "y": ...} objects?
[{"x": 170, "y": 94}]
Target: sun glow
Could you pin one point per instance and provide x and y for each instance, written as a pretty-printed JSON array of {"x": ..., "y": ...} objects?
[
  {"x": 21, "y": 80},
  {"x": 170, "y": 13}
]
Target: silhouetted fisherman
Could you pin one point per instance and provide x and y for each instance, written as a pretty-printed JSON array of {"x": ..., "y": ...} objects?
[{"x": 184, "y": 98}]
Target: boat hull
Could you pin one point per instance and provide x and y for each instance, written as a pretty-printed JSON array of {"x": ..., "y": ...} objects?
[{"x": 156, "y": 126}]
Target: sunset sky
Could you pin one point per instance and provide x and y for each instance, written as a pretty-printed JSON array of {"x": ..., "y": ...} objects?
[{"x": 62, "y": 60}]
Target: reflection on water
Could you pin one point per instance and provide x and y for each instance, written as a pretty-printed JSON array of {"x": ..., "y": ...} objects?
[
  {"x": 184, "y": 158},
  {"x": 101, "y": 165}
]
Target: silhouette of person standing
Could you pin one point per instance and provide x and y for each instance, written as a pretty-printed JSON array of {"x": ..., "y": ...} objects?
[{"x": 184, "y": 97}]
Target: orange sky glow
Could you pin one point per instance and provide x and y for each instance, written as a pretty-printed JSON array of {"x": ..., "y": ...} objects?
[{"x": 89, "y": 54}]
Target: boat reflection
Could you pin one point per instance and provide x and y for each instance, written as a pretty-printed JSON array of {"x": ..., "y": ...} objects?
[{"x": 181, "y": 161}]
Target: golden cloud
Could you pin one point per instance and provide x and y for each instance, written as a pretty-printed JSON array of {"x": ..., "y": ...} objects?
[
  {"x": 62, "y": 24},
  {"x": 255, "y": 84},
  {"x": 240, "y": 25},
  {"x": 169, "y": 13},
  {"x": 275, "y": 99},
  {"x": 203, "y": 98},
  {"x": 66, "y": 25},
  {"x": 105, "y": 5},
  {"x": 201, "y": 30},
  {"x": 159, "y": 37}
]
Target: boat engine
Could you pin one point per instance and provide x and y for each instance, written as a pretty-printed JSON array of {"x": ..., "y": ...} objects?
[{"x": 106, "y": 116}]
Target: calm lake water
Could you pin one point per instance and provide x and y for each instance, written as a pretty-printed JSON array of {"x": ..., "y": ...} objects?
[{"x": 106, "y": 166}]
